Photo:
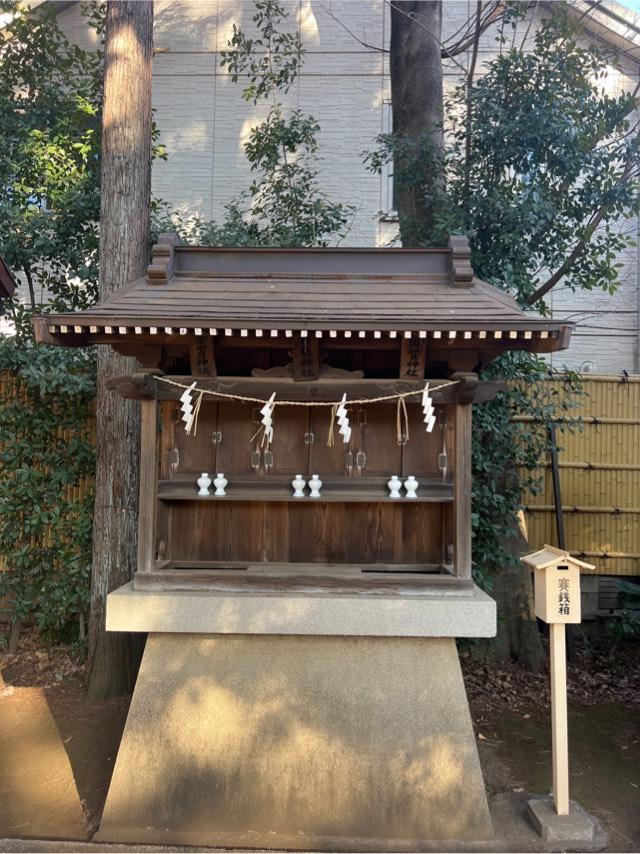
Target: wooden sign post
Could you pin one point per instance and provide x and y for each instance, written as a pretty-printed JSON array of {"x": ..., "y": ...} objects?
[
  {"x": 559, "y": 724},
  {"x": 557, "y": 602}
]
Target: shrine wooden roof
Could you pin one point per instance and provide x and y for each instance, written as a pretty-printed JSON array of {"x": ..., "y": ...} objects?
[{"x": 432, "y": 293}]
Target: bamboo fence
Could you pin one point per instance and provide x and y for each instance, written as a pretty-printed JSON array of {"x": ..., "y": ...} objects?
[
  {"x": 599, "y": 469},
  {"x": 11, "y": 390}
]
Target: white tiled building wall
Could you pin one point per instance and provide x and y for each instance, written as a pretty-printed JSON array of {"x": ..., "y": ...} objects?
[{"x": 204, "y": 122}]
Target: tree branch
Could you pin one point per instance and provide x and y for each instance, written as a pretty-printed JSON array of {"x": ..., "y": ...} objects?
[
  {"x": 29, "y": 277},
  {"x": 342, "y": 24},
  {"x": 563, "y": 188},
  {"x": 464, "y": 44},
  {"x": 528, "y": 30},
  {"x": 582, "y": 244},
  {"x": 472, "y": 71},
  {"x": 494, "y": 13}
]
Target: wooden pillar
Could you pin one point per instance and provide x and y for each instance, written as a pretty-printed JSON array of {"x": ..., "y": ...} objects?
[
  {"x": 559, "y": 726},
  {"x": 462, "y": 491},
  {"x": 148, "y": 485}
]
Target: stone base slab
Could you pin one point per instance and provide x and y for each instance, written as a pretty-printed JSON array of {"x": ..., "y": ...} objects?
[
  {"x": 577, "y": 831},
  {"x": 435, "y": 614},
  {"x": 305, "y": 743}
]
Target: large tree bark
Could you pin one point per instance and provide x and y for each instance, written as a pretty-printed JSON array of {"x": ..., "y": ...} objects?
[
  {"x": 518, "y": 638},
  {"x": 417, "y": 104},
  {"x": 416, "y": 98},
  {"x": 124, "y": 251}
]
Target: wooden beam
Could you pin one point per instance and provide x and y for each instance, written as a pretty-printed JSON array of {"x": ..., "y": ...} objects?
[
  {"x": 41, "y": 331},
  {"x": 468, "y": 384},
  {"x": 462, "y": 491},
  {"x": 292, "y": 577},
  {"x": 325, "y": 389},
  {"x": 148, "y": 486},
  {"x": 462, "y": 359},
  {"x": 143, "y": 387},
  {"x": 149, "y": 357},
  {"x": 127, "y": 388}
]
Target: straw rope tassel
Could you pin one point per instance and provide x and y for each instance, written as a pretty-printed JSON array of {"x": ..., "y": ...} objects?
[
  {"x": 331, "y": 423},
  {"x": 401, "y": 413}
]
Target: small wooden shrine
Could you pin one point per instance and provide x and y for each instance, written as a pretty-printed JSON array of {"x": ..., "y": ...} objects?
[
  {"x": 300, "y": 686},
  {"x": 311, "y": 327}
]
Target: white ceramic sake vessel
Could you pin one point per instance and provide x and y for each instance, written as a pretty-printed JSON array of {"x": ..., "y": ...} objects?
[
  {"x": 315, "y": 484},
  {"x": 298, "y": 484},
  {"x": 204, "y": 482},
  {"x": 410, "y": 485},
  {"x": 395, "y": 485},
  {"x": 220, "y": 482}
]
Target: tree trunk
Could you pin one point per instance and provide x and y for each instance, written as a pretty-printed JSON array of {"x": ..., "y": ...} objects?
[
  {"x": 124, "y": 255},
  {"x": 518, "y": 638},
  {"x": 416, "y": 98}
]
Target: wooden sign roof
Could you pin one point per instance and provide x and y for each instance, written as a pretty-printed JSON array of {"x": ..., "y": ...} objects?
[
  {"x": 397, "y": 292},
  {"x": 551, "y": 556}
]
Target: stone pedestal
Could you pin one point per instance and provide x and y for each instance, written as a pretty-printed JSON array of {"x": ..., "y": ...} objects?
[
  {"x": 299, "y": 721},
  {"x": 318, "y": 743},
  {"x": 577, "y": 831}
]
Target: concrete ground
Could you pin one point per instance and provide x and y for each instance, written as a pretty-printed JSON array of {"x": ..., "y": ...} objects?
[
  {"x": 56, "y": 757},
  {"x": 513, "y": 834}
]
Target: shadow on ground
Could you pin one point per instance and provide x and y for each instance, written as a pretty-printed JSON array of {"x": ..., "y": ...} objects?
[{"x": 514, "y": 752}]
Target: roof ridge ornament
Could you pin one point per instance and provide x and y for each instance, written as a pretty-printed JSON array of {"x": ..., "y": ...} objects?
[
  {"x": 461, "y": 269},
  {"x": 160, "y": 270}
]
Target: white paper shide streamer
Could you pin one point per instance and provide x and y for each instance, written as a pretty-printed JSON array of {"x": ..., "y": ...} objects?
[
  {"x": 343, "y": 420},
  {"x": 187, "y": 408},
  {"x": 267, "y": 418},
  {"x": 428, "y": 411}
]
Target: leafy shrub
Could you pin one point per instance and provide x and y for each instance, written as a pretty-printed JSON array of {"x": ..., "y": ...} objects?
[
  {"x": 46, "y": 455},
  {"x": 625, "y": 625}
]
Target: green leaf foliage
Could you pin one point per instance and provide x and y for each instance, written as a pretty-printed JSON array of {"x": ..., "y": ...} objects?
[
  {"x": 50, "y": 96},
  {"x": 506, "y": 451},
  {"x": 543, "y": 152},
  {"x": 46, "y": 454},
  {"x": 50, "y": 100},
  {"x": 540, "y": 171}
]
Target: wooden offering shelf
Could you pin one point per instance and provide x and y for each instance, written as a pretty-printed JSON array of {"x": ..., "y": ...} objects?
[
  {"x": 237, "y": 576},
  {"x": 333, "y": 490}
]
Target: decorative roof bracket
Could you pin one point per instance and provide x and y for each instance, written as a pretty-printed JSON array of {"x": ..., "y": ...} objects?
[
  {"x": 461, "y": 269},
  {"x": 160, "y": 270}
]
